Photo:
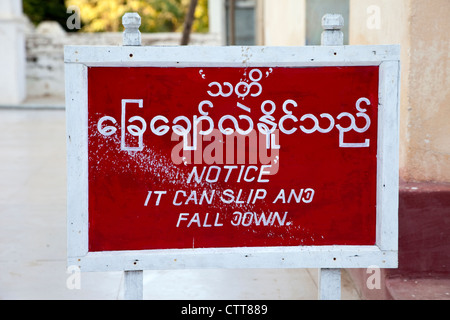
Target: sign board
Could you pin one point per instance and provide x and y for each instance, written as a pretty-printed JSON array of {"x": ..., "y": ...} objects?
[{"x": 232, "y": 157}]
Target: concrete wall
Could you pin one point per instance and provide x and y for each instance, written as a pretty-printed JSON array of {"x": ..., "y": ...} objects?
[
  {"x": 45, "y": 53},
  {"x": 428, "y": 154},
  {"x": 284, "y": 22},
  {"x": 420, "y": 27}
]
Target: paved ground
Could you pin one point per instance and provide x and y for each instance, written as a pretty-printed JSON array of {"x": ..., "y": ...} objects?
[{"x": 33, "y": 232}]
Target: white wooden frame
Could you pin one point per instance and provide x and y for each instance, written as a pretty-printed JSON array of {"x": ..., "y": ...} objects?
[{"x": 382, "y": 254}]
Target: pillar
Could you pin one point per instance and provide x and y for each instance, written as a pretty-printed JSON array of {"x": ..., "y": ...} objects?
[{"x": 12, "y": 54}]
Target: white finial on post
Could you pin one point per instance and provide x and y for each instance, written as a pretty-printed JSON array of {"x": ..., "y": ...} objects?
[
  {"x": 131, "y": 35},
  {"x": 332, "y": 34}
]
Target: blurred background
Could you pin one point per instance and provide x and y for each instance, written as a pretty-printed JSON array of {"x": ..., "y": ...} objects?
[{"x": 32, "y": 144}]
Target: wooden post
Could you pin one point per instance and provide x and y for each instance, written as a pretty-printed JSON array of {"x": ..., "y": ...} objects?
[
  {"x": 189, "y": 20},
  {"x": 133, "y": 279},
  {"x": 232, "y": 21},
  {"x": 330, "y": 278}
]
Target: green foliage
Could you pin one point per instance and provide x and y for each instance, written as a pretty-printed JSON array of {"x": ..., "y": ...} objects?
[
  {"x": 201, "y": 23},
  {"x": 38, "y": 10},
  {"x": 156, "y": 15}
]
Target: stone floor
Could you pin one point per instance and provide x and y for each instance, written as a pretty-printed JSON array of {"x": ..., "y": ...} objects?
[{"x": 33, "y": 232}]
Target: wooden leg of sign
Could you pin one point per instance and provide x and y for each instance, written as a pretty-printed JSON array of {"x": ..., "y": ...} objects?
[
  {"x": 329, "y": 284},
  {"x": 133, "y": 285}
]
